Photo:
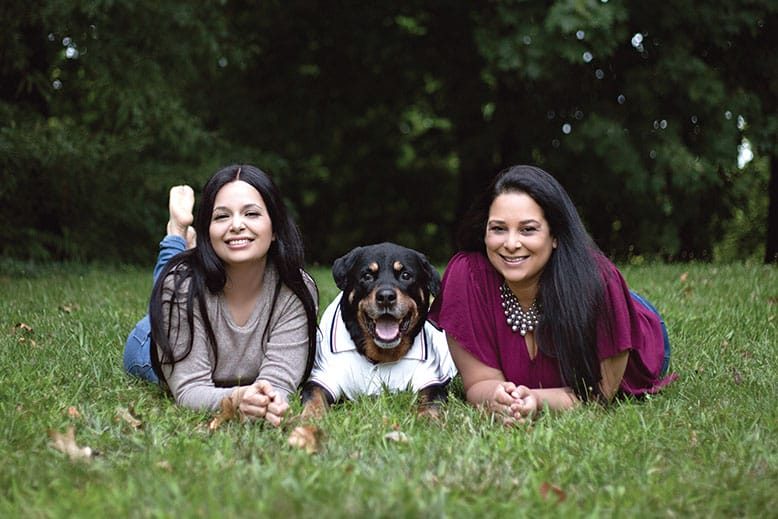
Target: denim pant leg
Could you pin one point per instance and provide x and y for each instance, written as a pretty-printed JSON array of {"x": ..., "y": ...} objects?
[
  {"x": 137, "y": 352},
  {"x": 665, "y": 337},
  {"x": 137, "y": 349}
]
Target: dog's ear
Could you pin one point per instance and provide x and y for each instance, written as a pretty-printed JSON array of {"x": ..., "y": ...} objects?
[
  {"x": 432, "y": 275},
  {"x": 343, "y": 266}
]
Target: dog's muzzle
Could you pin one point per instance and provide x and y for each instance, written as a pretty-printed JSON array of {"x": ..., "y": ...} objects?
[{"x": 387, "y": 330}]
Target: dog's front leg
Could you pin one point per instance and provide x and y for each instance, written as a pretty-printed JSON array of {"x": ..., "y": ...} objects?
[
  {"x": 431, "y": 398},
  {"x": 315, "y": 400},
  {"x": 307, "y": 435}
]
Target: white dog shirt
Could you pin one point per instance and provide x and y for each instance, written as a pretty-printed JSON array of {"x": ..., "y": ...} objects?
[{"x": 343, "y": 371}]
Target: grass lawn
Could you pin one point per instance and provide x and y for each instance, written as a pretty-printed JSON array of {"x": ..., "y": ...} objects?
[{"x": 707, "y": 446}]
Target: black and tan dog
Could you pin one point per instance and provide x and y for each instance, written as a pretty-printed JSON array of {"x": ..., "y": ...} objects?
[{"x": 375, "y": 335}]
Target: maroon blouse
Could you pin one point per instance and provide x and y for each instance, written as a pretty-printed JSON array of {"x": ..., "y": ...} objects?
[{"x": 468, "y": 308}]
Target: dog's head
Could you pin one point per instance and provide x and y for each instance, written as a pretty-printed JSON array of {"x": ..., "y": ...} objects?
[{"x": 386, "y": 294}]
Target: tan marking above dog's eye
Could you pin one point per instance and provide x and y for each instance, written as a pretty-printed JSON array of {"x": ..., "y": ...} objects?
[
  {"x": 373, "y": 267},
  {"x": 398, "y": 266}
]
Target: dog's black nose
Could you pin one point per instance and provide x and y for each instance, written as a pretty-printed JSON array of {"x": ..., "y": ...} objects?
[{"x": 385, "y": 296}]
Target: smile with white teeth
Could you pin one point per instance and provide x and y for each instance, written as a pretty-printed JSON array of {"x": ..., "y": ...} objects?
[
  {"x": 514, "y": 260},
  {"x": 238, "y": 242}
]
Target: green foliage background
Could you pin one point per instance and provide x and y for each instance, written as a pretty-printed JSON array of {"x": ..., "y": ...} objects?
[{"x": 380, "y": 121}]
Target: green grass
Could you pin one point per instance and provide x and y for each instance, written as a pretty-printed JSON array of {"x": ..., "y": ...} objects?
[{"x": 707, "y": 446}]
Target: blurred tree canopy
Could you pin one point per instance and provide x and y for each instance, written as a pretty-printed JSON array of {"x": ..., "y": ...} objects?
[{"x": 381, "y": 120}]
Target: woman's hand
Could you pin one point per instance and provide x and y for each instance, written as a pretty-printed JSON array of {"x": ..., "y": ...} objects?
[
  {"x": 502, "y": 400},
  {"x": 260, "y": 400},
  {"x": 525, "y": 404},
  {"x": 515, "y": 404}
]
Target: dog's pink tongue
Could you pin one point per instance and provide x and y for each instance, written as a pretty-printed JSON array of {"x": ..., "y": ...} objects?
[{"x": 387, "y": 328}]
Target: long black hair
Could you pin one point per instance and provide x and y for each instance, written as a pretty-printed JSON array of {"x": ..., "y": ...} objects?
[
  {"x": 571, "y": 288},
  {"x": 199, "y": 269}
]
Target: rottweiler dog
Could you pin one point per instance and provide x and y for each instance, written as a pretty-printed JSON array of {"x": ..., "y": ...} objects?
[{"x": 375, "y": 335}]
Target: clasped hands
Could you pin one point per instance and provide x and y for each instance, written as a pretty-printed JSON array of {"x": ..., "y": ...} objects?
[
  {"x": 515, "y": 404},
  {"x": 260, "y": 400}
]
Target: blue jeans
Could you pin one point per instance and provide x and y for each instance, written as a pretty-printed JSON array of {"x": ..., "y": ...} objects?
[
  {"x": 137, "y": 349},
  {"x": 649, "y": 306}
]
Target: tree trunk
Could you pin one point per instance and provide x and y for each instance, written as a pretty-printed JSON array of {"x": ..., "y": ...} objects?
[{"x": 771, "y": 245}]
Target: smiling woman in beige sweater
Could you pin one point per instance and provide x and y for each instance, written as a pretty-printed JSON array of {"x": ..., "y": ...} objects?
[{"x": 234, "y": 315}]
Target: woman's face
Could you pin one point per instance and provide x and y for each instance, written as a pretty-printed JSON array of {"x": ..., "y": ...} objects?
[
  {"x": 241, "y": 231},
  {"x": 518, "y": 239}
]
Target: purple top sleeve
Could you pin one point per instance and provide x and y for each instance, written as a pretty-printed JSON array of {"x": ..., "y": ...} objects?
[
  {"x": 468, "y": 309},
  {"x": 634, "y": 328}
]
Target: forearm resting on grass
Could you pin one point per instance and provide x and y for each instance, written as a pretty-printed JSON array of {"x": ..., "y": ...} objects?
[
  {"x": 486, "y": 386},
  {"x": 611, "y": 370}
]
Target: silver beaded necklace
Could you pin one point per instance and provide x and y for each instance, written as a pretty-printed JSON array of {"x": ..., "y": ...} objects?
[{"x": 518, "y": 320}]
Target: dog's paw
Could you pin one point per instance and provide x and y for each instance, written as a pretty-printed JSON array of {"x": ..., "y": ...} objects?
[
  {"x": 305, "y": 437},
  {"x": 429, "y": 412}
]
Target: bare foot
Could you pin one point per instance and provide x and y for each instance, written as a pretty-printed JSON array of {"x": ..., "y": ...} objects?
[
  {"x": 180, "y": 205},
  {"x": 191, "y": 237}
]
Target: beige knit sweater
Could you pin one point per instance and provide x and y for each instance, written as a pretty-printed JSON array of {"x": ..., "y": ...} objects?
[{"x": 243, "y": 355}]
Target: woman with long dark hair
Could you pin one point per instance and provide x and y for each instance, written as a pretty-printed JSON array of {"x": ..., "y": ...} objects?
[
  {"x": 535, "y": 315},
  {"x": 234, "y": 316}
]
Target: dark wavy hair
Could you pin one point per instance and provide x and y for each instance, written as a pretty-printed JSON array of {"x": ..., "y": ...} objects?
[
  {"x": 203, "y": 270},
  {"x": 571, "y": 288}
]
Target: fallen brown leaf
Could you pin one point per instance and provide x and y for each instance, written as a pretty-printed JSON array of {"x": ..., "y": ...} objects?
[
  {"x": 165, "y": 465},
  {"x": 546, "y": 487},
  {"x": 66, "y": 443},
  {"x": 23, "y": 327},
  {"x": 228, "y": 412},
  {"x": 25, "y": 333},
  {"x": 73, "y": 412},
  {"x": 122, "y": 413},
  {"x": 684, "y": 277},
  {"x": 69, "y": 307},
  {"x": 396, "y": 436},
  {"x": 305, "y": 437}
]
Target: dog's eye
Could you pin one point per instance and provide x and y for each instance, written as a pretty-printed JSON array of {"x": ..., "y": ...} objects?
[
  {"x": 367, "y": 277},
  {"x": 405, "y": 275}
]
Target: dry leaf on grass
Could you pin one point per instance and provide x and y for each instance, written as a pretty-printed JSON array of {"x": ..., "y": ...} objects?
[
  {"x": 164, "y": 465},
  {"x": 73, "y": 412},
  {"x": 23, "y": 327},
  {"x": 124, "y": 414},
  {"x": 305, "y": 437},
  {"x": 396, "y": 436},
  {"x": 227, "y": 413},
  {"x": 67, "y": 443},
  {"x": 547, "y": 488},
  {"x": 684, "y": 277},
  {"x": 25, "y": 333},
  {"x": 69, "y": 307}
]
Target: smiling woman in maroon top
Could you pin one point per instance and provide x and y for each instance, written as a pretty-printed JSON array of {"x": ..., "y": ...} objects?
[{"x": 534, "y": 313}]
